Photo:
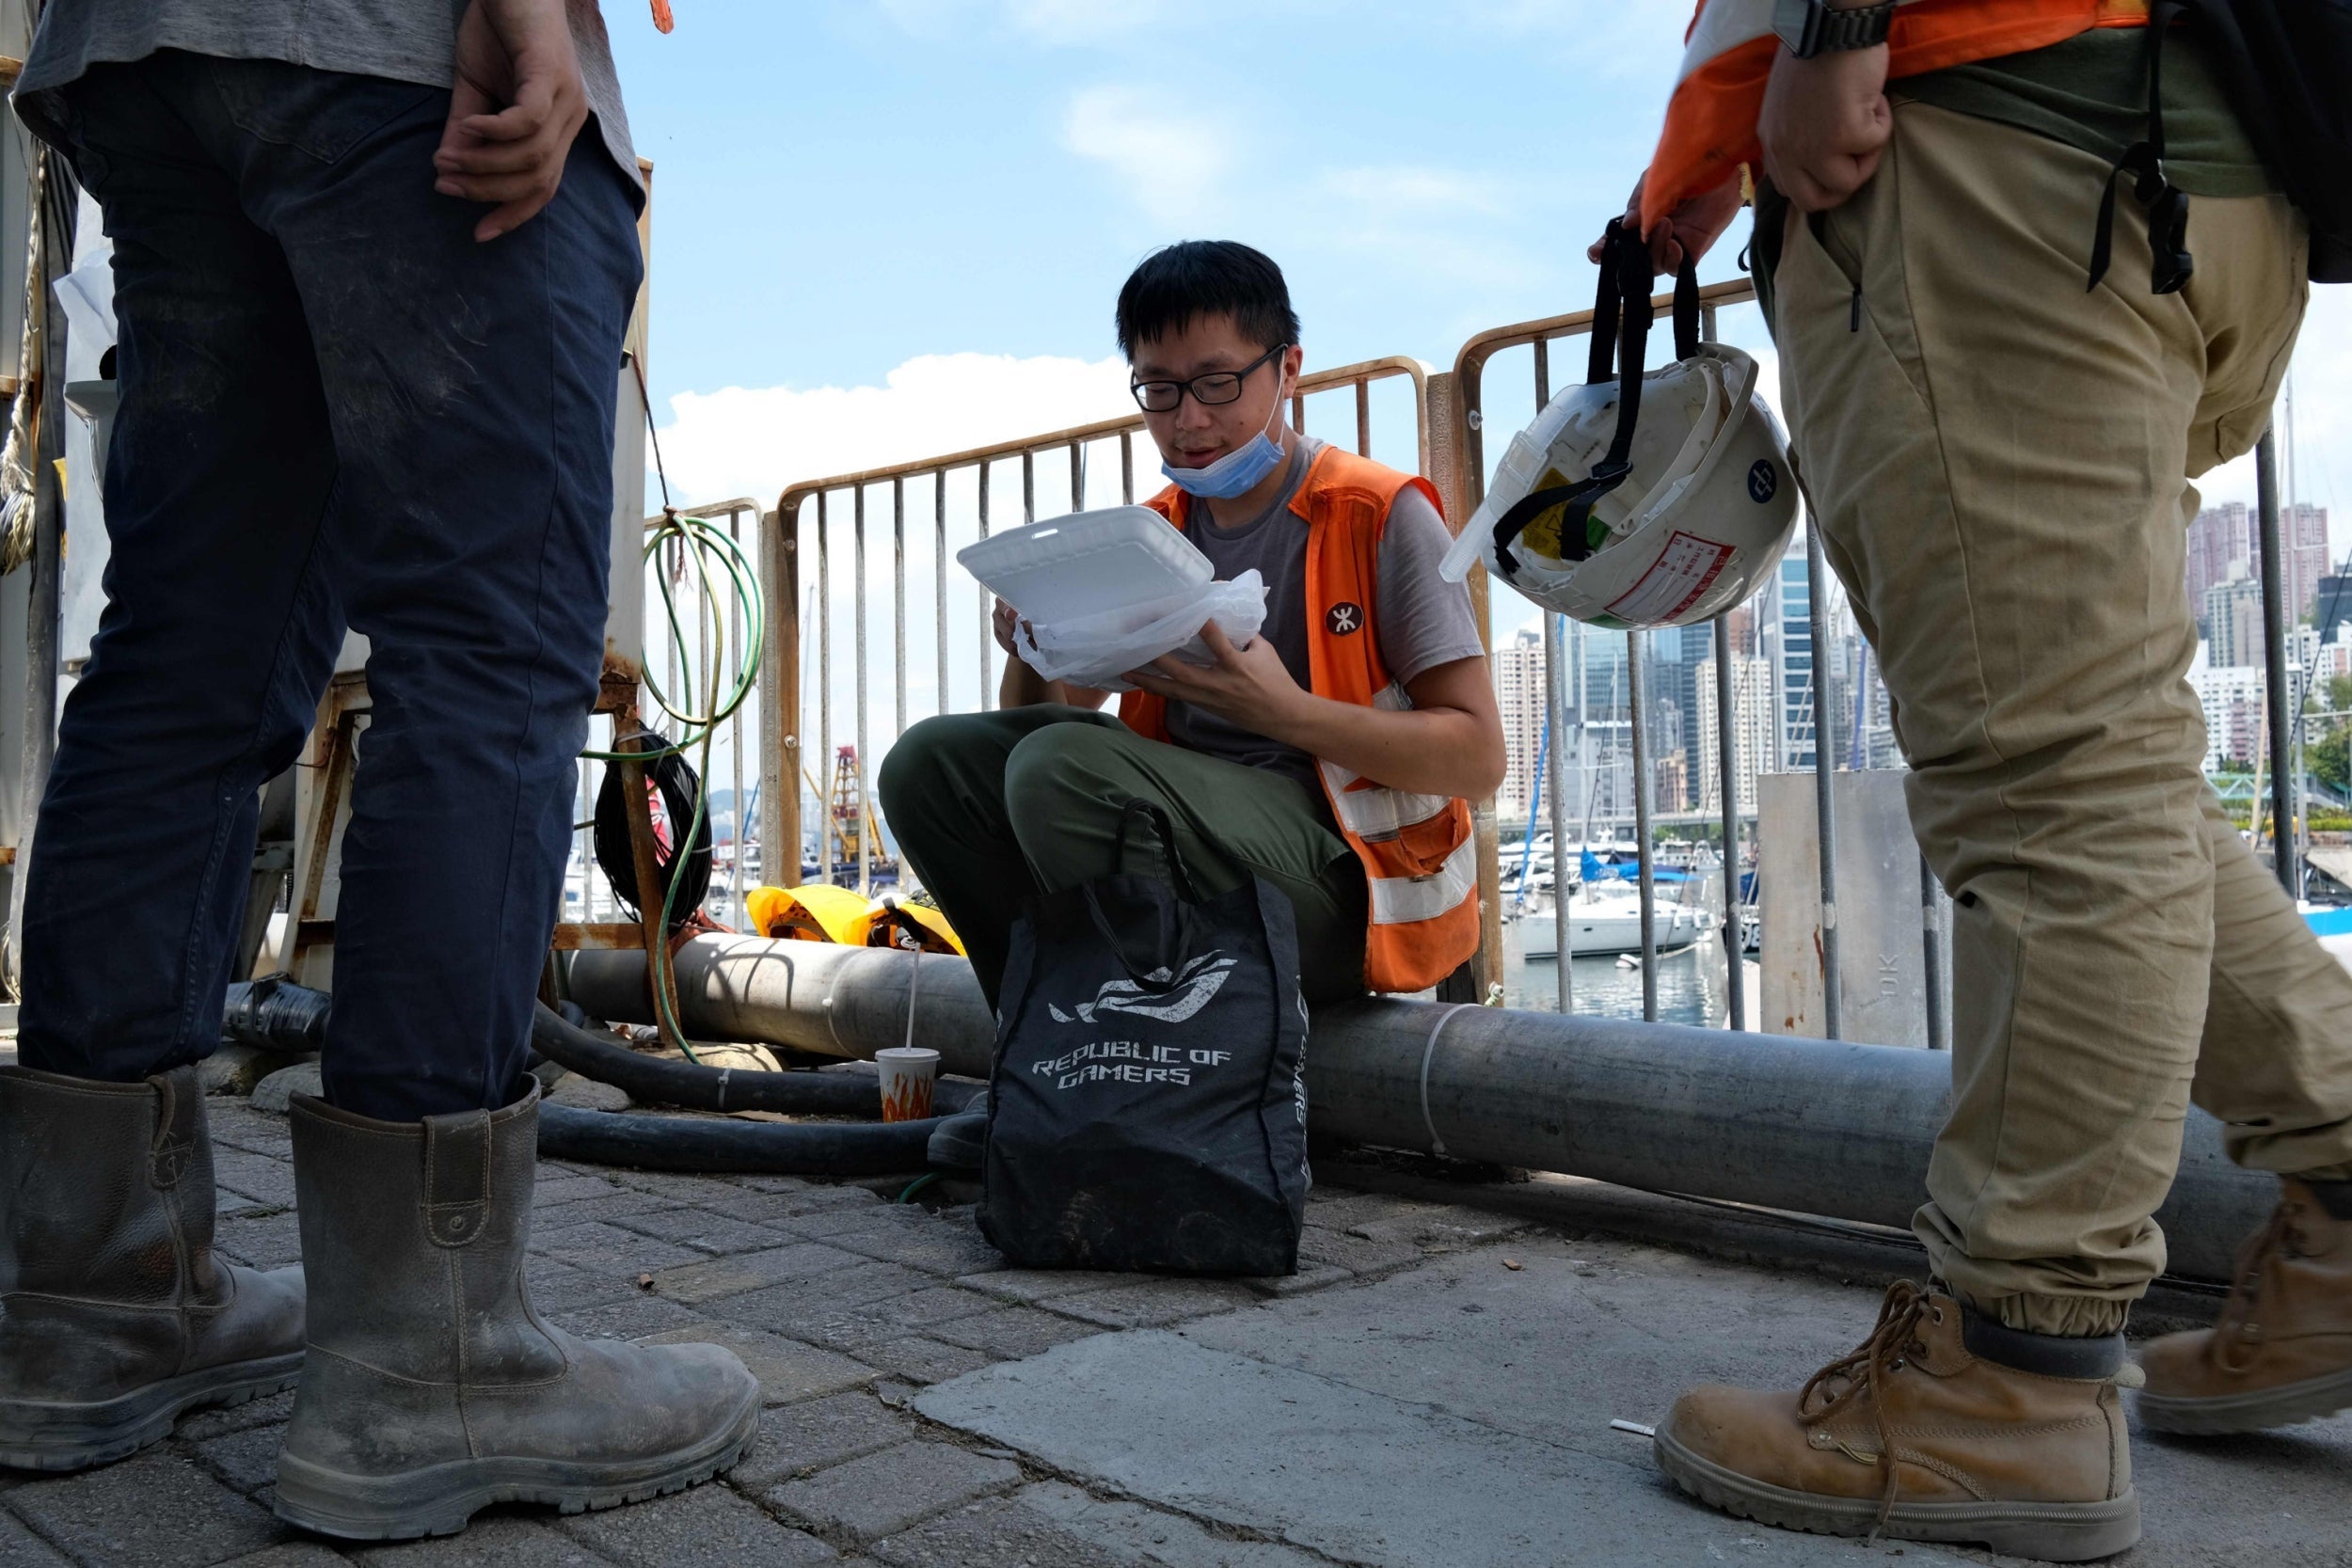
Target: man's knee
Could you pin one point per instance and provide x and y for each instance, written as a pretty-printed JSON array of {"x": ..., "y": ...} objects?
[
  {"x": 911, "y": 768},
  {"x": 1064, "y": 768}
]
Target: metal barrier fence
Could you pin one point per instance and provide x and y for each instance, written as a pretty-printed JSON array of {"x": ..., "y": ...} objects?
[
  {"x": 1447, "y": 419},
  {"x": 784, "y": 763}
]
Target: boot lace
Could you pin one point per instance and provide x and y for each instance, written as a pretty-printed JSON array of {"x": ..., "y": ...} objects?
[{"x": 1857, "y": 1376}]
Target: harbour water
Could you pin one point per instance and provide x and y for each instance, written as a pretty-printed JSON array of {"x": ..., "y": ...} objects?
[{"x": 1691, "y": 985}]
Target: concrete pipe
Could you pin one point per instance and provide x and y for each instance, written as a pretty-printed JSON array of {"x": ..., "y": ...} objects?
[{"x": 1814, "y": 1125}]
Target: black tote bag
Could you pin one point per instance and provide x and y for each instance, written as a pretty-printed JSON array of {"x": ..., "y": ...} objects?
[{"x": 1148, "y": 1109}]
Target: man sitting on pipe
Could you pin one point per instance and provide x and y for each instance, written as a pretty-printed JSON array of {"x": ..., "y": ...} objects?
[{"x": 1334, "y": 755}]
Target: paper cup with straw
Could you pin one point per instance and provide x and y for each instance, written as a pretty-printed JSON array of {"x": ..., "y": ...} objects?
[{"x": 908, "y": 1074}]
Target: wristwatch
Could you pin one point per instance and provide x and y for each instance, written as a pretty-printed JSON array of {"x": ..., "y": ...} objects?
[{"x": 1811, "y": 27}]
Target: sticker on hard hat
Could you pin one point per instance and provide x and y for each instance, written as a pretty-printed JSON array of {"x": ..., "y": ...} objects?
[
  {"x": 1763, "y": 481},
  {"x": 1687, "y": 567},
  {"x": 1344, "y": 618}
]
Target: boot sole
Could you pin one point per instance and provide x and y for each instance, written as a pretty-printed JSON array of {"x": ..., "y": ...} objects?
[
  {"x": 439, "y": 1499},
  {"x": 40, "y": 1435},
  {"x": 2052, "y": 1532},
  {"x": 2287, "y": 1405}
]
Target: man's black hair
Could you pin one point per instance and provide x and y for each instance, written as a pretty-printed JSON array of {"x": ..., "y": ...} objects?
[{"x": 1205, "y": 277}]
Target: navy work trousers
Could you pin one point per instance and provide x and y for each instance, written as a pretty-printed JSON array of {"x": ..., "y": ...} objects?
[{"x": 337, "y": 410}]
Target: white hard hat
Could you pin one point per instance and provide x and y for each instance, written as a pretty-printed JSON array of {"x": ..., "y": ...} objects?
[{"x": 1655, "y": 508}]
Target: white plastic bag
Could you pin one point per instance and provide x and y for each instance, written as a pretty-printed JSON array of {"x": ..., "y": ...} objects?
[{"x": 1096, "y": 650}]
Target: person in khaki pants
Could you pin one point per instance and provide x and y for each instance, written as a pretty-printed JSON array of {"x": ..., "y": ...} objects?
[{"x": 1999, "y": 462}]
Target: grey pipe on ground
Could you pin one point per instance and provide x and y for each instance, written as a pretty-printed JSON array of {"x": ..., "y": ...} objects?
[{"x": 1818, "y": 1127}]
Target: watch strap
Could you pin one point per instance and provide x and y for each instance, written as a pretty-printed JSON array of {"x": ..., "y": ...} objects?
[{"x": 1860, "y": 27}]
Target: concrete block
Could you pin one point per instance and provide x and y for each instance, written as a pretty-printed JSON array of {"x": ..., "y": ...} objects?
[
  {"x": 206, "y": 1424},
  {"x": 561, "y": 1288},
  {"x": 679, "y": 1187},
  {"x": 1358, "y": 1477},
  {"x": 492, "y": 1540},
  {"x": 1011, "y": 1332},
  {"x": 273, "y": 1093},
  {"x": 1028, "y": 1287},
  {"x": 245, "y": 1459},
  {"x": 263, "y": 1237},
  {"x": 258, "y": 1179},
  {"x": 155, "y": 1509},
  {"x": 711, "y": 1279},
  {"x": 920, "y": 1359},
  {"x": 1155, "y": 1302},
  {"x": 850, "y": 1327},
  {"x": 819, "y": 1298},
  {"x": 236, "y": 1125},
  {"x": 1356, "y": 1254},
  {"x": 1310, "y": 1277},
  {"x": 640, "y": 1314},
  {"x": 886, "y": 1493},
  {"x": 710, "y": 1527},
  {"x": 608, "y": 1249},
  {"x": 551, "y": 1187},
  {"x": 701, "y": 1230},
  {"x": 21, "y": 1549},
  {"x": 1154, "y": 1535},
  {"x": 293, "y": 1554},
  {"x": 921, "y": 1240},
  {"x": 997, "y": 1533},
  {"x": 787, "y": 1371},
  {"x": 801, "y": 1439}
]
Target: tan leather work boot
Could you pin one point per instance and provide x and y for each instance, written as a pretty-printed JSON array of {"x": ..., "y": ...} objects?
[
  {"x": 2283, "y": 1350},
  {"x": 2034, "y": 1462}
]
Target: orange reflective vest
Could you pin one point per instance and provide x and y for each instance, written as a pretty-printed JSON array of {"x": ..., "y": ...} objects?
[
  {"x": 1419, "y": 858},
  {"x": 1728, "y": 53}
]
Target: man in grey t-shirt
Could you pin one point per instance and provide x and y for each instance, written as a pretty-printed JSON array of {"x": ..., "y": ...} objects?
[
  {"x": 993, "y": 808},
  {"x": 371, "y": 287}
]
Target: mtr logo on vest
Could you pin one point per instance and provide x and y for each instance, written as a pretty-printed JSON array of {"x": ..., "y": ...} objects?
[{"x": 1344, "y": 619}]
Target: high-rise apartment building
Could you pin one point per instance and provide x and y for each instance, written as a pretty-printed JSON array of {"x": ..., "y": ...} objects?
[
  {"x": 2233, "y": 621},
  {"x": 1518, "y": 670},
  {"x": 2225, "y": 542},
  {"x": 1791, "y": 653},
  {"x": 1754, "y": 725}
]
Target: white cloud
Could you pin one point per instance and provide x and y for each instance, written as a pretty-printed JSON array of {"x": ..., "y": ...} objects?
[
  {"x": 1173, "y": 163},
  {"x": 756, "y": 440}
]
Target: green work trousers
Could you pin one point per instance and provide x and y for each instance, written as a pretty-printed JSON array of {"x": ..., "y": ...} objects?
[
  {"x": 993, "y": 809},
  {"x": 1999, "y": 464}
]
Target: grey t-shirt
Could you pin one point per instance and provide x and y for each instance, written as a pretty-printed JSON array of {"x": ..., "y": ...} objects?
[
  {"x": 401, "y": 40},
  {"x": 1420, "y": 622}
]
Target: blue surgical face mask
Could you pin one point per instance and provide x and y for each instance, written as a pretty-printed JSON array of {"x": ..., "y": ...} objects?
[{"x": 1239, "y": 471}]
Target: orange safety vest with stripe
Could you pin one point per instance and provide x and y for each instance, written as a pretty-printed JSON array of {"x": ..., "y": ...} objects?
[
  {"x": 1728, "y": 53},
  {"x": 1419, "y": 858}
]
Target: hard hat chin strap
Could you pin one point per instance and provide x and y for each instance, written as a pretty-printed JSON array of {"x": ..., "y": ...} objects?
[{"x": 1621, "y": 313}]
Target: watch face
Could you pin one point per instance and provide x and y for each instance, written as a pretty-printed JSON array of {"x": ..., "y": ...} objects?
[{"x": 1794, "y": 21}]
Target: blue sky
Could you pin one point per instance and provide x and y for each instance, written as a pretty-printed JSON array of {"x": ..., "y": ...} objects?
[{"x": 843, "y": 186}]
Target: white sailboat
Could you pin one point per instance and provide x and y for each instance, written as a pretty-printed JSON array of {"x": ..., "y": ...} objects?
[{"x": 1606, "y": 918}]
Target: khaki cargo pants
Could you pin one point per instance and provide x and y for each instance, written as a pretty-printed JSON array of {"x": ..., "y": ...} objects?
[{"x": 1999, "y": 464}]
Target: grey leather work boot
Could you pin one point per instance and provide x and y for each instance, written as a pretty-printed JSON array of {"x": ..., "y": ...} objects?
[
  {"x": 434, "y": 1389},
  {"x": 115, "y": 1316}
]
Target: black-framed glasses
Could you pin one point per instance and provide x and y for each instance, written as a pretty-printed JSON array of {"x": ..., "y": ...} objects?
[{"x": 1162, "y": 396}]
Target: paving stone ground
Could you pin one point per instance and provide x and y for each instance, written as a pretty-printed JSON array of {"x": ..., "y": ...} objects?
[
  {"x": 851, "y": 1307},
  {"x": 842, "y": 1302}
]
